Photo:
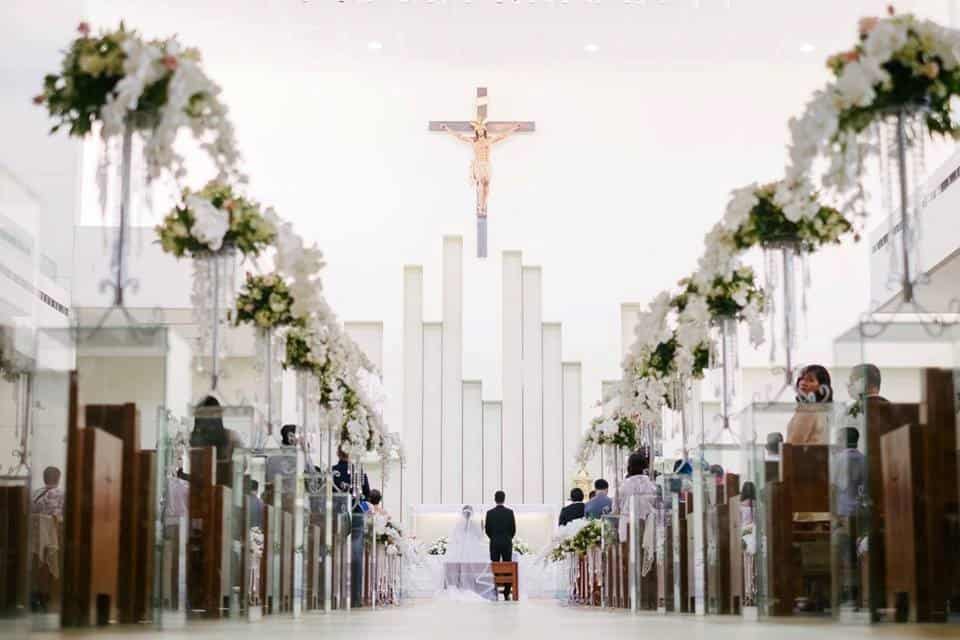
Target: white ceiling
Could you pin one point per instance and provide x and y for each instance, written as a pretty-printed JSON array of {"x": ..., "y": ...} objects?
[{"x": 310, "y": 33}]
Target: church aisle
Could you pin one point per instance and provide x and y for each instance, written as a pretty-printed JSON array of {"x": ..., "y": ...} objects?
[{"x": 529, "y": 620}]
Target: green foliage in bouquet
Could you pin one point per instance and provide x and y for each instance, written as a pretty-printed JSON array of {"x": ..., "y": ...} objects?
[
  {"x": 767, "y": 226},
  {"x": 248, "y": 230},
  {"x": 265, "y": 302}
]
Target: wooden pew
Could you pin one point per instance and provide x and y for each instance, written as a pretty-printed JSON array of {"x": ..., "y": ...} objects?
[
  {"x": 736, "y": 556},
  {"x": 718, "y": 541},
  {"x": 286, "y": 562},
  {"x": 680, "y": 559},
  {"x": 665, "y": 561},
  {"x": 313, "y": 569},
  {"x": 691, "y": 577},
  {"x": 920, "y": 508},
  {"x": 803, "y": 487},
  {"x": 92, "y": 514},
  {"x": 208, "y": 571},
  {"x": 14, "y": 519},
  {"x": 268, "y": 595}
]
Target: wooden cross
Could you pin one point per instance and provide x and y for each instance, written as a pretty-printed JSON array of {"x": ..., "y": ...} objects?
[{"x": 481, "y": 135}]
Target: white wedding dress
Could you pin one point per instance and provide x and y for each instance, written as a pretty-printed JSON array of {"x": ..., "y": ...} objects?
[{"x": 467, "y": 572}]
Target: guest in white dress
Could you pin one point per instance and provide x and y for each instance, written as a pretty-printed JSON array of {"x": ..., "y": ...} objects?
[{"x": 639, "y": 484}]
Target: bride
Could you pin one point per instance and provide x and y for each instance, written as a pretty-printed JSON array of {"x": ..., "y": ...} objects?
[{"x": 467, "y": 573}]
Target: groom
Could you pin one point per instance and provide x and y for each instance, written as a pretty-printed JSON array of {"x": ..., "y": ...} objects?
[{"x": 500, "y": 527}]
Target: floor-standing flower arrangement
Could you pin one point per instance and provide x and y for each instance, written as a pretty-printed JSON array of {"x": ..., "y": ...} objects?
[
  {"x": 212, "y": 226},
  {"x": 900, "y": 66},
  {"x": 118, "y": 80}
]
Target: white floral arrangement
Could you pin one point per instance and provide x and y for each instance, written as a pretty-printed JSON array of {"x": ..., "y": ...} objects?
[
  {"x": 899, "y": 64},
  {"x": 438, "y": 547},
  {"x": 214, "y": 219},
  {"x": 158, "y": 87},
  {"x": 265, "y": 302},
  {"x": 619, "y": 430},
  {"x": 709, "y": 295},
  {"x": 521, "y": 548},
  {"x": 784, "y": 213},
  {"x": 577, "y": 537}
]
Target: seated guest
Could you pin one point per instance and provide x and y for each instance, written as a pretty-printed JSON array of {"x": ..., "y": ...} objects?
[
  {"x": 342, "y": 481},
  {"x": 774, "y": 440},
  {"x": 808, "y": 424},
  {"x": 574, "y": 510},
  {"x": 208, "y": 431},
  {"x": 849, "y": 471},
  {"x": 49, "y": 499},
  {"x": 601, "y": 503},
  {"x": 376, "y": 503},
  {"x": 254, "y": 505},
  {"x": 592, "y": 494},
  {"x": 639, "y": 484}
]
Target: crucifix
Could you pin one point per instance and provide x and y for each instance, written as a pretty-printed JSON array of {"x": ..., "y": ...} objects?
[{"x": 481, "y": 135}]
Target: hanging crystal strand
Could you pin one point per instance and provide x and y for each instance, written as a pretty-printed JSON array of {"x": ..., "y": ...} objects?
[
  {"x": 770, "y": 287},
  {"x": 789, "y": 311},
  {"x": 805, "y": 284},
  {"x": 918, "y": 165},
  {"x": 889, "y": 157}
]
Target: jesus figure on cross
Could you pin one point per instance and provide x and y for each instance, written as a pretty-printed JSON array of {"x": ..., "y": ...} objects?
[
  {"x": 481, "y": 135},
  {"x": 480, "y": 167}
]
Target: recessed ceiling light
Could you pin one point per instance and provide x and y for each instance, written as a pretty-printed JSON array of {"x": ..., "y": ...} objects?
[
  {"x": 374, "y": 45},
  {"x": 591, "y": 47},
  {"x": 806, "y": 47}
]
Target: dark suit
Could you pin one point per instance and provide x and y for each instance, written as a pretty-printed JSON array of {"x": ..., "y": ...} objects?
[
  {"x": 571, "y": 512},
  {"x": 500, "y": 526}
]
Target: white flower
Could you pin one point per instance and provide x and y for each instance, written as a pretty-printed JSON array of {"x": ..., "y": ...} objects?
[
  {"x": 855, "y": 86},
  {"x": 742, "y": 202},
  {"x": 886, "y": 38},
  {"x": 210, "y": 224}
]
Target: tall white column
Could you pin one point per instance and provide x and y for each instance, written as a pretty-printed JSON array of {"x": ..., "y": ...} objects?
[
  {"x": 554, "y": 482},
  {"x": 473, "y": 442},
  {"x": 412, "y": 385},
  {"x": 512, "y": 363},
  {"x": 573, "y": 425},
  {"x": 432, "y": 464},
  {"x": 452, "y": 369},
  {"x": 532, "y": 385},
  {"x": 492, "y": 468},
  {"x": 629, "y": 312}
]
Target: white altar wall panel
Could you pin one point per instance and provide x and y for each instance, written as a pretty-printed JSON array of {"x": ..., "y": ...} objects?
[
  {"x": 369, "y": 337},
  {"x": 492, "y": 430},
  {"x": 629, "y": 312},
  {"x": 553, "y": 478},
  {"x": 572, "y": 419},
  {"x": 452, "y": 369},
  {"x": 413, "y": 385},
  {"x": 473, "y": 442},
  {"x": 532, "y": 385},
  {"x": 432, "y": 463},
  {"x": 512, "y": 364}
]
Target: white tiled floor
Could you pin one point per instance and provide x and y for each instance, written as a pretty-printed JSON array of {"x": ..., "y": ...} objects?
[{"x": 527, "y": 620}]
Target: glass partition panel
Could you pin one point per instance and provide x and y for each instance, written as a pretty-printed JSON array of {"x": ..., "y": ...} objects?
[
  {"x": 792, "y": 516},
  {"x": 102, "y": 397},
  {"x": 896, "y": 524}
]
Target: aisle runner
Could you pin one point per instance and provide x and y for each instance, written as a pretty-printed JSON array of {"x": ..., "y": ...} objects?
[{"x": 536, "y": 580}]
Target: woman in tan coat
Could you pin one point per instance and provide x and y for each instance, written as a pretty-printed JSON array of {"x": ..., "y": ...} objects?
[{"x": 809, "y": 423}]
